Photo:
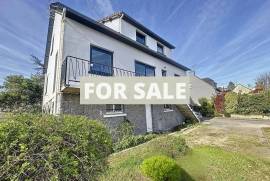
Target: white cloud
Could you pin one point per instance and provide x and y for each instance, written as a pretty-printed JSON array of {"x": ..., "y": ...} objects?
[{"x": 176, "y": 10}]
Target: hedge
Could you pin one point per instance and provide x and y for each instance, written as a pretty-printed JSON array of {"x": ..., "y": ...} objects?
[{"x": 35, "y": 147}]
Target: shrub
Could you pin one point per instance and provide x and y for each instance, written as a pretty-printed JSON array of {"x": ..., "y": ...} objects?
[
  {"x": 34, "y": 147},
  {"x": 171, "y": 146},
  {"x": 124, "y": 130},
  {"x": 131, "y": 141},
  {"x": 161, "y": 168},
  {"x": 217, "y": 114},
  {"x": 207, "y": 107},
  {"x": 231, "y": 102},
  {"x": 227, "y": 115}
]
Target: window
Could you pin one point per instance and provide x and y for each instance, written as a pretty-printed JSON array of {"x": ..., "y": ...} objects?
[
  {"x": 160, "y": 48},
  {"x": 55, "y": 68},
  {"x": 52, "y": 45},
  {"x": 164, "y": 73},
  {"x": 114, "y": 108},
  {"x": 168, "y": 107},
  {"x": 140, "y": 38},
  {"x": 101, "y": 62},
  {"x": 142, "y": 69},
  {"x": 176, "y": 75}
]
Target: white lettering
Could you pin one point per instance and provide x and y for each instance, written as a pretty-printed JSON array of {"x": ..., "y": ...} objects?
[
  {"x": 88, "y": 89},
  {"x": 166, "y": 94},
  {"x": 107, "y": 88},
  {"x": 119, "y": 91},
  {"x": 138, "y": 88},
  {"x": 180, "y": 89},
  {"x": 153, "y": 91}
]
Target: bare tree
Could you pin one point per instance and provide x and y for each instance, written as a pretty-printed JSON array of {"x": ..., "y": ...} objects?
[
  {"x": 39, "y": 66},
  {"x": 263, "y": 81}
]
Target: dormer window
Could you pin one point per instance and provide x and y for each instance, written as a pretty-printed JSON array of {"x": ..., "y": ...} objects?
[
  {"x": 140, "y": 38},
  {"x": 160, "y": 48}
]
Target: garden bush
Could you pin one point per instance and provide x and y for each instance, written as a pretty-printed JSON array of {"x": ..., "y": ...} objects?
[
  {"x": 35, "y": 147},
  {"x": 206, "y": 108},
  {"x": 124, "y": 129},
  {"x": 227, "y": 115},
  {"x": 161, "y": 168},
  {"x": 248, "y": 103},
  {"x": 172, "y": 146},
  {"x": 231, "y": 102},
  {"x": 131, "y": 141}
]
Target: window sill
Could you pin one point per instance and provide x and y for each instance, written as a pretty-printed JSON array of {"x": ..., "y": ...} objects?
[
  {"x": 111, "y": 115},
  {"x": 168, "y": 110}
]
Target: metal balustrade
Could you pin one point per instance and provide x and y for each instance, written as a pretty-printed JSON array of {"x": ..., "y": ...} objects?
[{"x": 74, "y": 68}]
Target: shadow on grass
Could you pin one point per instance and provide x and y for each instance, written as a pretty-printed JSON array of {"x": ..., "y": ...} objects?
[{"x": 185, "y": 176}]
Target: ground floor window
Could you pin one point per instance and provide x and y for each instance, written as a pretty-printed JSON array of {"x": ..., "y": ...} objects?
[
  {"x": 114, "y": 108},
  {"x": 168, "y": 107}
]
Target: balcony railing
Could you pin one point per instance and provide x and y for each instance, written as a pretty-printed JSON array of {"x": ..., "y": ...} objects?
[{"x": 74, "y": 68}]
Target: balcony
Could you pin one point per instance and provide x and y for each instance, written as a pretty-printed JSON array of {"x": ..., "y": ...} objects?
[{"x": 73, "y": 68}]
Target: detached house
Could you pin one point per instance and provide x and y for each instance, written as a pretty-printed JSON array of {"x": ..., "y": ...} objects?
[{"x": 117, "y": 45}]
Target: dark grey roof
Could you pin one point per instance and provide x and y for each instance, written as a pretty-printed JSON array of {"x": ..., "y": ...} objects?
[
  {"x": 80, "y": 18},
  {"x": 136, "y": 24}
]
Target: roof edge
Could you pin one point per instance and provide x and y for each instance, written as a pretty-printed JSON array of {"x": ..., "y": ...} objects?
[
  {"x": 135, "y": 23},
  {"x": 82, "y": 19}
]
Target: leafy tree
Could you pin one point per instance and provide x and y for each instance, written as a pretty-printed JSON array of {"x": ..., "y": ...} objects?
[
  {"x": 231, "y": 102},
  {"x": 21, "y": 94},
  {"x": 231, "y": 86}
]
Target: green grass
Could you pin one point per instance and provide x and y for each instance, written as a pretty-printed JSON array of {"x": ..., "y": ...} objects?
[
  {"x": 213, "y": 163},
  {"x": 200, "y": 163}
]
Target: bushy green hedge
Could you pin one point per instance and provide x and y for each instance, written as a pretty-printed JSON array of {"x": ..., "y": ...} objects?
[
  {"x": 161, "y": 168},
  {"x": 248, "y": 103},
  {"x": 52, "y": 148},
  {"x": 131, "y": 141}
]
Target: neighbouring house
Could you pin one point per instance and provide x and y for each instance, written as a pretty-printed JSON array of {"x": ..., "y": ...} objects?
[
  {"x": 257, "y": 90},
  {"x": 117, "y": 45},
  {"x": 241, "y": 89},
  {"x": 210, "y": 81}
]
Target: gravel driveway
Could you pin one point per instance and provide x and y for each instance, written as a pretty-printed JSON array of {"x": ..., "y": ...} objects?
[{"x": 240, "y": 135}]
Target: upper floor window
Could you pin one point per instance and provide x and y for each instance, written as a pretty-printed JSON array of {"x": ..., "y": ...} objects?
[
  {"x": 101, "y": 61},
  {"x": 164, "y": 73},
  {"x": 160, "y": 48},
  {"x": 140, "y": 38},
  {"x": 142, "y": 69}
]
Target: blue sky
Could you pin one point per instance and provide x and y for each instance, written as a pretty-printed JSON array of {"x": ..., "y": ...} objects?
[{"x": 227, "y": 40}]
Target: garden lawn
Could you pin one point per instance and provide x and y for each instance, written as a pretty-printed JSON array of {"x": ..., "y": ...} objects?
[{"x": 198, "y": 163}]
